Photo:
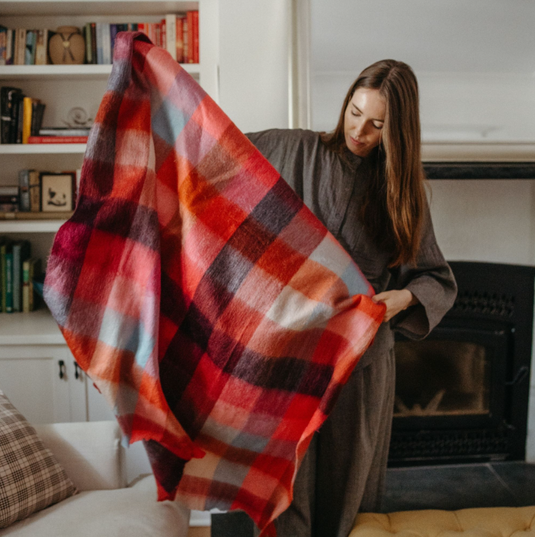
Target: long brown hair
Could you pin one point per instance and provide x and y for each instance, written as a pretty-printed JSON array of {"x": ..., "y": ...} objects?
[{"x": 394, "y": 204}]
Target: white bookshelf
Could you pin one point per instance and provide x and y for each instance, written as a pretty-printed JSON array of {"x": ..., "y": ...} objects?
[
  {"x": 41, "y": 149},
  {"x": 66, "y": 72},
  {"x": 39, "y": 328}
]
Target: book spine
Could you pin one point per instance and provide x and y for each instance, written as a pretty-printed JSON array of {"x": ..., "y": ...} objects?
[
  {"x": 9, "y": 109},
  {"x": 34, "y": 128},
  {"x": 35, "y": 191},
  {"x": 27, "y": 119},
  {"x": 29, "y": 52},
  {"x": 57, "y": 139},
  {"x": 170, "y": 34},
  {"x": 186, "y": 34},
  {"x": 94, "y": 42},
  {"x": 106, "y": 43},
  {"x": 114, "y": 29},
  {"x": 26, "y": 286},
  {"x": 20, "y": 44},
  {"x": 16, "y": 277},
  {"x": 9, "y": 46},
  {"x": 18, "y": 120},
  {"x": 3, "y": 251},
  {"x": 87, "y": 37},
  {"x": 40, "y": 49},
  {"x": 3, "y": 44},
  {"x": 195, "y": 23},
  {"x": 191, "y": 37},
  {"x": 9, "y": 281},
  {"x": 179, "y": 24},
  {"x": 24, "y": 187},
  {"x": 100, "y": 56}
]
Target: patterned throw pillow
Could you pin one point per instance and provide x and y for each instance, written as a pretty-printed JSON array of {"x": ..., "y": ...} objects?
[{"x": 30, "y": 477}]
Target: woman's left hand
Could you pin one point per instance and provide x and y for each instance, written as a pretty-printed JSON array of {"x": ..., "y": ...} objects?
[{"x": 395, "y": 301}]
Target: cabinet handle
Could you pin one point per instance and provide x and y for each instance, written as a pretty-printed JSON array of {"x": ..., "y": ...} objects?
[
  {"x": 77, "y": 371},
  {"x": 61, "y": 364}
]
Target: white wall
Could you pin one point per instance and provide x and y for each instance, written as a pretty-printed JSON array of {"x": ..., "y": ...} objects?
[
  {"x": 453, "y": 106},
  {"x": 254, "y": 56}
]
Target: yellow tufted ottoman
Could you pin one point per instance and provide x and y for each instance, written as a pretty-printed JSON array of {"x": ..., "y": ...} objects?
[{"x": 481, "y": 522}]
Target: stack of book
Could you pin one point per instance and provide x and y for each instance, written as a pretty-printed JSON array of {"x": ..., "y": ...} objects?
[
  {"x": 18, "y": 272},
  {"x": 60, "y": 135},
  {"x": 23, "y": 47},
  {"x": 21, "y": 116}
]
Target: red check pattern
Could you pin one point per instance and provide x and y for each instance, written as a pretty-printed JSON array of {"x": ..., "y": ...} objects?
[{"x": 211, "y": 308}]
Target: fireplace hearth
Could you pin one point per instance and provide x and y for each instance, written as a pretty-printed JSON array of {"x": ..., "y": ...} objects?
[{"x": 462, "y": 393}]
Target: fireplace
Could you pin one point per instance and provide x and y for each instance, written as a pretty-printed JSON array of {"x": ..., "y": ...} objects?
[{"x": 462, "y": 393}]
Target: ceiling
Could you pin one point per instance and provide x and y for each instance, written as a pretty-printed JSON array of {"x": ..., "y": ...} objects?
[{"x": 478, "y": 36}]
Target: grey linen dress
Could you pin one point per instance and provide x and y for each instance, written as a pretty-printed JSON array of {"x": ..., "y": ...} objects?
[{"x": 344, "y": 469}]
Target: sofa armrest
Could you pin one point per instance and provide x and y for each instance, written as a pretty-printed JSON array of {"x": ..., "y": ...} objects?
[{"x": 90, "y": 452}]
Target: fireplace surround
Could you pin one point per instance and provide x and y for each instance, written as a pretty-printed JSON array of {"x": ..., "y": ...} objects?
[{"x": 462, "y": 393}]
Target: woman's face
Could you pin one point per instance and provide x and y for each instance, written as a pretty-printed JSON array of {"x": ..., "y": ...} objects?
[{"x": 363, "y": 121}]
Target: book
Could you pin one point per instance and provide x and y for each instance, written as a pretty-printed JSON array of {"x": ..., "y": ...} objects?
[
  {"x": 57, "y": 140},
  {"x": 24, "y": 190},
  {"x": 21, "y": 252},
  {"x": 9, "y": 198},
  {"x": 3, "y": 44},
  {"x": 88, "y": 45},
  {"x": 5, "y": 246},
  {"x": 8, "y": 289},
  {"x": 19, "y": 119},
  {"x": 106, "y": 43},
  {"x": 35, "y": 191},
  {"x": 10, "y": 46},
  {"x": 9, "y": 106},
  {"x": 27, "y": 119},
  {"x": 38, "y": 110},
  {"x": 94, "y": 43},
  {"x": 31, "y": 269},
  {"x": 41, "y": 47},
  {"x": 64, "y": 131},
  {"x": 170, "y": 34},
  {"x": 179, "y": 40},
  {"x": 29, "y": 53},
  {"x": 99, "y": 40},
  {"x": 195, "y": 42},
  {"x": 185, "y": 38},
  {"x": 20, "y": 46}
]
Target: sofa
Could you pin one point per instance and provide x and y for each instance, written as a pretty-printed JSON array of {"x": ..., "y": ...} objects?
[
  {"x": 475, "y": 522},
  {"x": 93, "y": 458}
]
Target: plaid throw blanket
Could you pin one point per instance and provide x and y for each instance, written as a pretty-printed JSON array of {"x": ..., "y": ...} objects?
[{"x": 210, "y": 307}]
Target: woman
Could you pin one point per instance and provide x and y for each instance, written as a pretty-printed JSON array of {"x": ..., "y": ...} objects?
[{"x": 365, "y": 182}]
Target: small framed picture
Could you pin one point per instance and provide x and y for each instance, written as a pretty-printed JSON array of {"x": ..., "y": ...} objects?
[{"x": 57, "y": 191}]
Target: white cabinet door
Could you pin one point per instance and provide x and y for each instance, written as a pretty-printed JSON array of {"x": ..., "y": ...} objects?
[{"x": 40, "y": 382}]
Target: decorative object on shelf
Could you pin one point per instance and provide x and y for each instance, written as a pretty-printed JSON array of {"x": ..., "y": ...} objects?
[
  {"x": 78, "y": 117},
  {"x": 67, "y": 46},
  {"x": 57, "y": 191}
]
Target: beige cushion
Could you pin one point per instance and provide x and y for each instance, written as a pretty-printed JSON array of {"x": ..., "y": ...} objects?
[
  {"x": 130, "y": 512},
  {"x": 90, "y": 452},
  {"x": 481, "y": 522},
  {"x": 30, "y": 477}
]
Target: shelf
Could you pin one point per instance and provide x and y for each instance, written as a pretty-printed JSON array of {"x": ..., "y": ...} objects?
[
  {"x": 89, "y": 7},
  {"x": 35, "y": 328},
  {"x": 39, "y": 149},
  {"x": 59, "y": 72},
  {"x": 30, "y": 226}
]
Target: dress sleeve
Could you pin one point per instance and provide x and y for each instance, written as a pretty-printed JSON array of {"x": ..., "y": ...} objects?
[{"x": 431, "y": 281}]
